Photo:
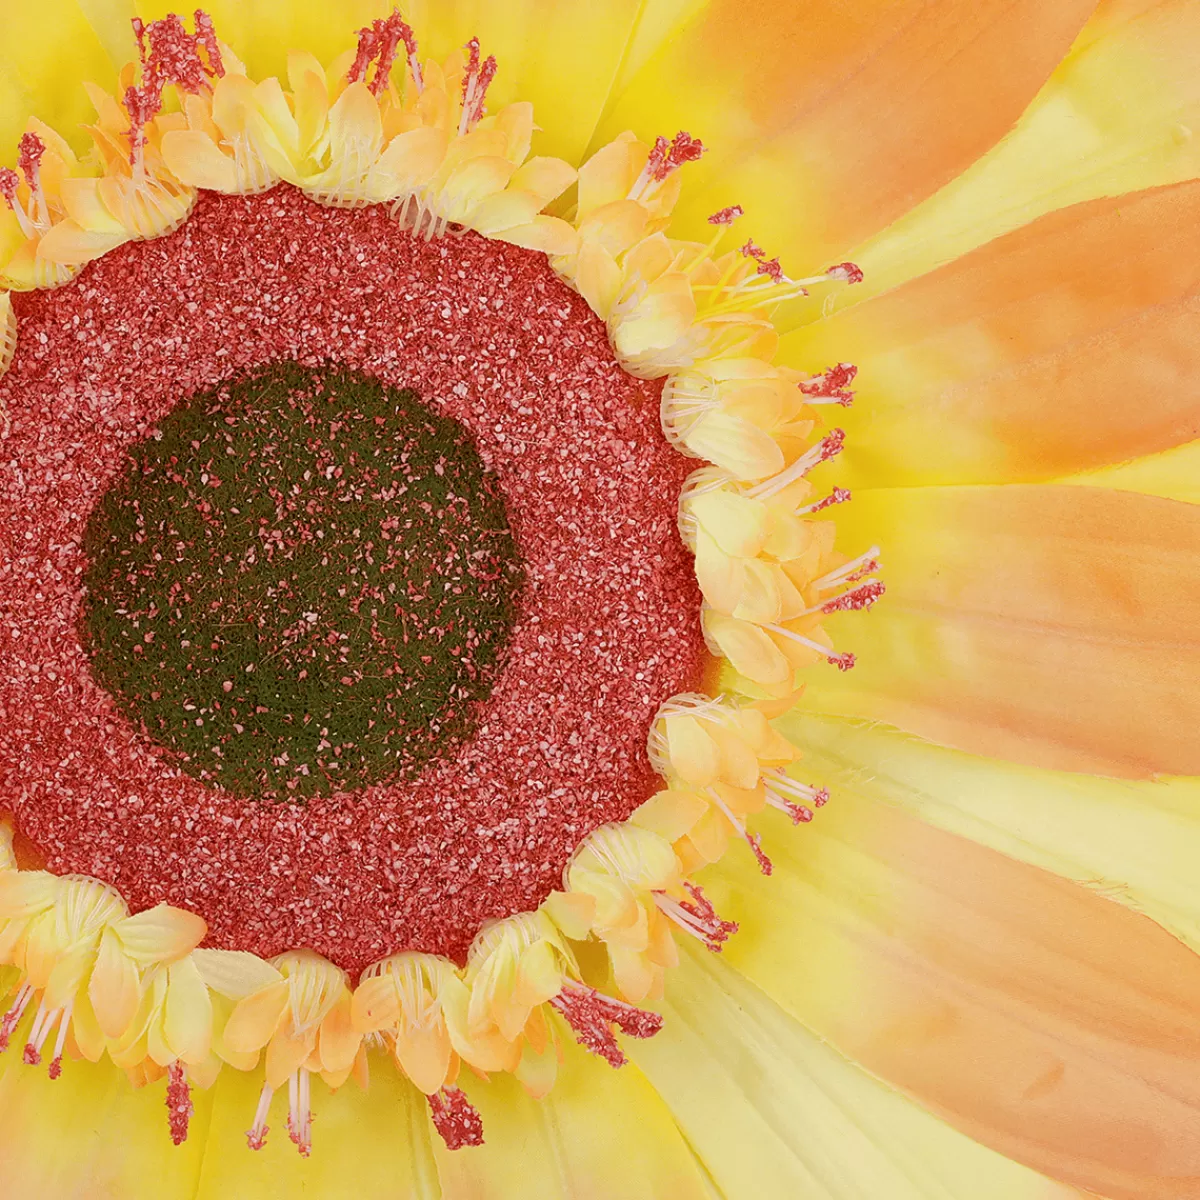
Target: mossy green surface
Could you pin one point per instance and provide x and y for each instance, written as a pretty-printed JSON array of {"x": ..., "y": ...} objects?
[{"x": 303, "y": 582}]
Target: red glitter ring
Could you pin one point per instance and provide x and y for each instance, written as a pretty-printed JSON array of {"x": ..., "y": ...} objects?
[{"x": 470, "y": 900}]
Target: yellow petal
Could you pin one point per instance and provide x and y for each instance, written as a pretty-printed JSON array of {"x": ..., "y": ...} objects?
[
  {"x": 160, "y": 934},
  {"x": 234, "y": 973},
  {"x": 742, "y": 449},
  {"x": 69, "y": 245},
  {"x": 256, "y": 1017},
  {"x": 425, "y": 1056},
  {"x": 748, "y": 648},
  {"x": 187, "y": 1020},
  {"x": 599, "y": 1135},
  {"x": 692, "y": 753},
  {"x": 1078, "y": 826},
  {"x": 376, "y": 1004},
  {"x": 195, "y": 161},
  {"x": 774, "y": 1111},
  {"x": 1035, "y": 1015},
  {"x": 338, "y": 1040}
]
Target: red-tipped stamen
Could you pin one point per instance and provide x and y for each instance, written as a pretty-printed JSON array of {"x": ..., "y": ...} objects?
[
  {"x": 300, "y": 1115},
  {"x": 843, "y": 662},
  {"x": 839, "y": 495},
  {"x": 831, "y": 386},
  {"x": 858, "y": 599},
  {"x": 476, "y": 80},
  {"x": 828, "y": 447},
  {"x": 664, "y": 159},
  {"x": 754, "y": 841},
  {"x": 778, "y": 786},
  {"x": 169, "y": 55},
  {"x": 727, "y": 216},
  {"x": 592, "y": 1016},
  {"x": 256, "y": 1135},
  {"x": 697, "y": 917},
  {"x": 378, "y": 43},
  {"x": 179, "y": 1102},
  {"x": 847, "y": 272},
  {"x": 12, "y": 1018},
  {"x": 851, "y": 572},
  {"x": 455, "y": 1118}
]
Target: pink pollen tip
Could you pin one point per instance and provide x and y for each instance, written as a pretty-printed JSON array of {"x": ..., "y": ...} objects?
[
  {"x": 752, "y": 250},
  {"x": 860, "y": 599},
  {"x": 843, "y": 662},
  {"x": 455, "y": 1118},
  {"x": 727, "y": 216},
  {"x": 772, "y": 268},
  {"x": 839, "y": 495},
  {"x": 833, "y": 444},
  {"x": 256, "y": 1139},
  {"x": 821, "y": 798},
  {"x": 32, "y": 1056},
  {"x": 9, "y": 182},
  {"x": 56, "y": 1067},
  {"x": 764, "y": 863},
  {"x": 847, "y": 272},
  {"x": 29, "y": 154}
]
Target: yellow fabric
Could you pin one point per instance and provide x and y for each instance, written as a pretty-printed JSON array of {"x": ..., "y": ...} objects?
[
  {"x": 1122, "y": 112},
  {"x": 774, "y": 1112},
  {"x": 1136, "y": 842},
  {"x": 35, "y": 82},
  {"x": 601, "y": 1134},
  {"x": 1044, "y": 624},
  {"x": 89, "y": 1135},
  {"x": 1173, "y": 474},
  {"x": 1035, "y": 1015}
]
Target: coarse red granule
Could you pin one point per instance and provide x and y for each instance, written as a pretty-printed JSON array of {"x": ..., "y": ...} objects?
[{"x": 608, "y": 626}]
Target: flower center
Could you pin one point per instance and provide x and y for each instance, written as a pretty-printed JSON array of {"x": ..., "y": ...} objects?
[
  {"x": 302, "y": 584},
  {"x": 605, "y": 625}
]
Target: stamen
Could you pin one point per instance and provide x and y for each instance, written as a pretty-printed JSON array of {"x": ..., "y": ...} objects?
[
  {"x": 591, "y": 1016},
  {"x": 476, "y": 81},
  {"x": 665, "y": 158},
  {"x": 776, "y": 780},
  {"x": 29, "y": 157},
  {"x": 831, "y": 386},
  {"x": 43, "y": 1022},
  {"x": 856, "y": 569},
  {"x": 300, "y": 1117},
  {"x": 12, "y": 1018},
  {"x": 60, "y": 1041},
  {"x": 847, "y": 272},
  {"x": 839, "y": 495},
  {"x": 754, "y": 841},
  {"x": 456, "y": 1118},
  {"x": 843, "y": 662},
  {"x": 378, "y": 43},
  {"x": 256, "y": 1135},
  {"x": 727, "y": 216},
  {"x": 697, "y": 917},
  {"x": 859, "y": 599},
  {"x": 179, "y": 1102},
  {"x": 828, "y": 447},
  {"x": 173, "y": 58}
]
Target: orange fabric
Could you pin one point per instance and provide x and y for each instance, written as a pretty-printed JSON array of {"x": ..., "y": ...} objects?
[
  {"x": 828, "y": 120},
  {"x": 1070, "y": 343},
  {"x": 1049, "y": 625},
  {"x": 1040, "y": 1018}
]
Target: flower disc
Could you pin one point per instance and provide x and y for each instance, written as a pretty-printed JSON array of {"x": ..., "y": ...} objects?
[
  {"x": 604, "y": 627},
  {"x": 303, "y": 583}
]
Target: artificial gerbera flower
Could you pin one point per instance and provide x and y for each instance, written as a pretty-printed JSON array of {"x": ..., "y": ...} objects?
[{"x": 473, "y": 726}]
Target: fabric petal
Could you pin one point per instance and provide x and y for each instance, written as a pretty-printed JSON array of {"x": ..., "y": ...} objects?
[
  {"x": 1068, "y": 344},
  {"x": 829, "y": 120},
  {"x": 1049, "y": 625},
  {"x": 1119, "y": 114},
  {"x": 366, "y": 1143},
  {"x": 774, "y": 1112},
  {"x": 91, "y": 1134},
  {"x": 1136, "y": 842},
  {"x": 600, "y": 1134},
  {"x": 1036, "y": 1016},
  {"x": 46, "y": 52}
]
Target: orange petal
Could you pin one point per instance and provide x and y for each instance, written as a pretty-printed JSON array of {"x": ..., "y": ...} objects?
[
  {"x": 257, "y": 1017},
  {"x": 1070, "y": 343},
  {"x": 1035, "y": 1015},
  {"x": 113, "y": 988},
  {"x": 161, "y": 933},
  {"x": 1050, "y": 625},
  {"x": 853, "y": 113}
]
